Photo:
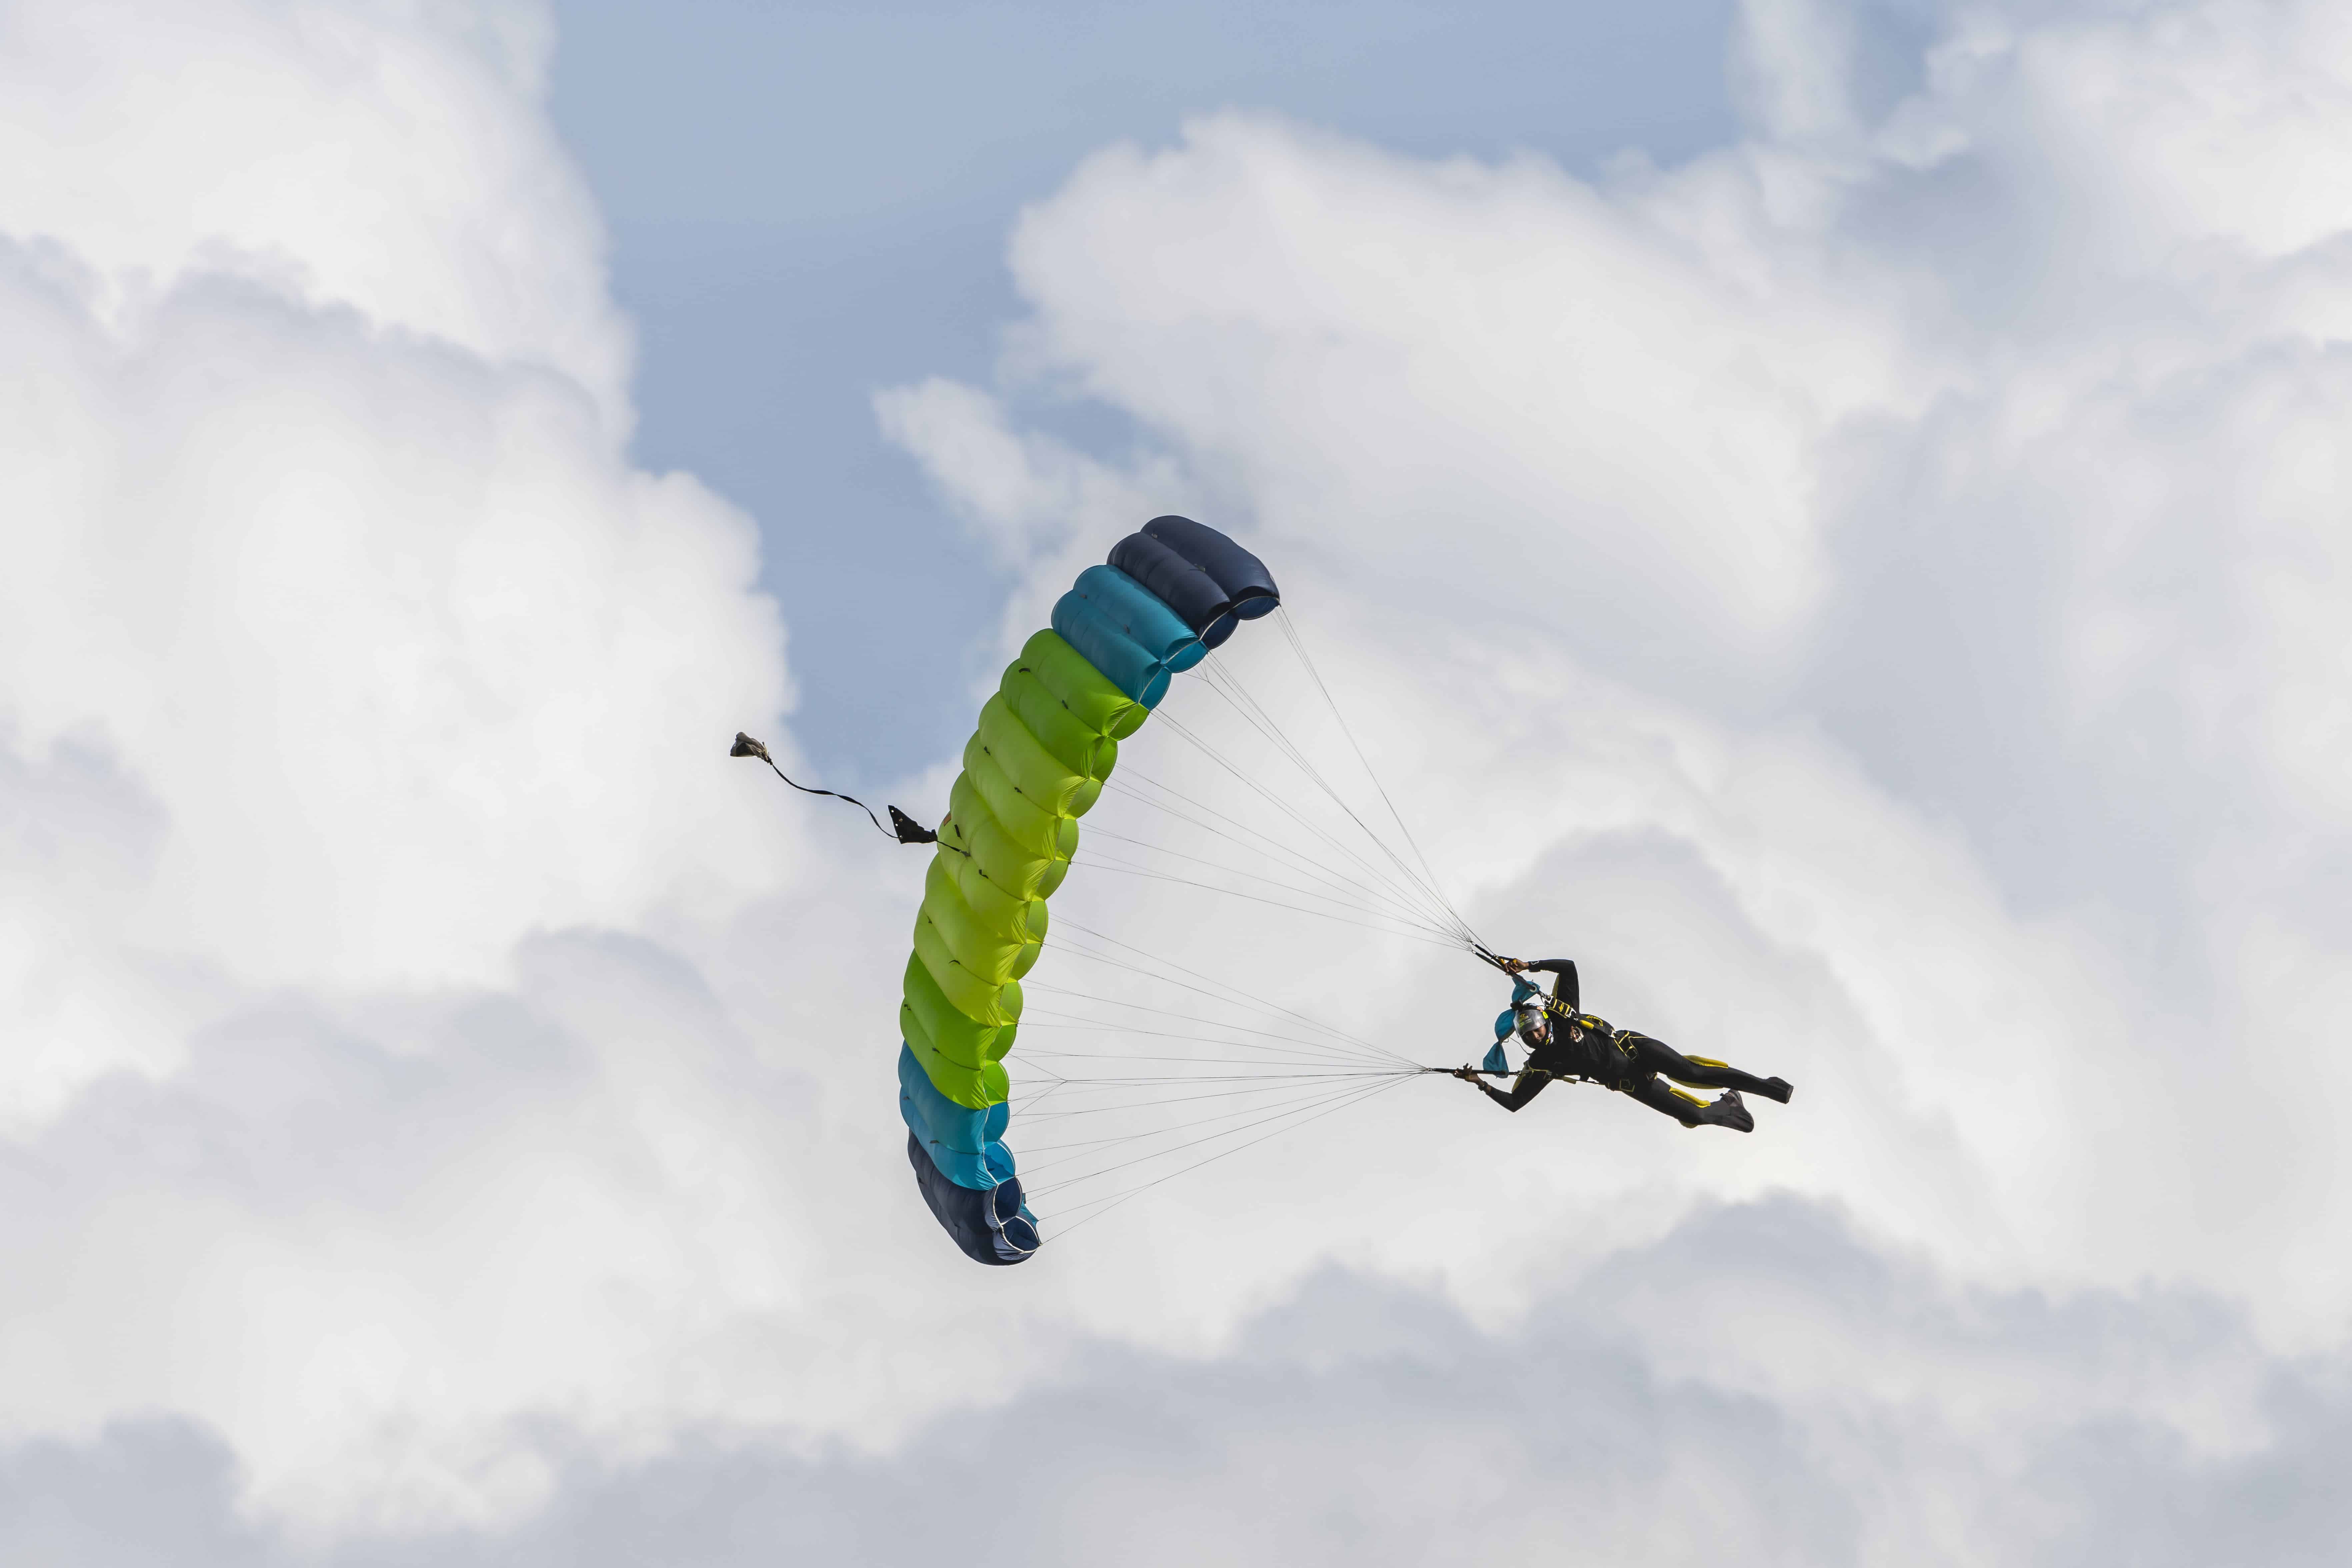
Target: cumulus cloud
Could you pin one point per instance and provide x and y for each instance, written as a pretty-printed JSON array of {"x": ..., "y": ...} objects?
[
  {"x": 342, "y": 656},
  {"x": 1672, "y": 1406},
  {"x": 1024, "y": 491},
  {"x": 1308, "y": 299},
  {"x": 1985, "y": 545},
  {"x": 369, "y": 157},
  {"x": 1869, "y": 593},
  {"x": 365, "y": 628}
]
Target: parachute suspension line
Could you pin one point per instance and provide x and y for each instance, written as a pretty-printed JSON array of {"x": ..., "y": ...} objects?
[
  {"x": 1104, "y": 1205},
  {"x": 1109, "y": 865},
  {"x": 1282, "y": 1020},
  {"x": 1298, "y": 645},
  {"x": 1260, "y": 1093},
  {"x": 1259, "y": 1066},
  {"x": 1282, "y": 1049},
  {"x": 1266, "y": 1081},
  {"x": 1210, "y": 1061},
  {"x": 1265, "y": 1094},
  {"x": 1272, "y": 1058},
  {"x": 1257, "y": 1115},
  {"x": 1097, "y": 1097},
  {"x": 1258, "y": 1002},
  {"x": 1356, "y": 905},
  {"x": 1272, "y": 1086},
  {"x": 1341, "y": 1046},
  {"x": 1401, "y": 895},
  {"x": 1340, "y": 1050},
  {"x": 1408, "y": 888},
  {"x": 1069, "y": 1043},
  {"x": 1122, "y": 781},
  {"x": 1389, "y": 904},
  {"x": 1193, "y": 1068},
  {"x": 1229, "y": 686},
  {"x": 1210, "y": 990},
  {"x": 1409, "y": 931},
  {"x": 1250, "y": 1078},
  {"x": 1077, "y": 1150},
  {"x": 1168, "y": 1013},
  {"x": 1182, "y": 732},
  {"x": 1307, "y": 1079}
]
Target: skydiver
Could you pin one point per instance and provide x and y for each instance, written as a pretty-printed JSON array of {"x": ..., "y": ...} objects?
[{"x": 1565, "y": 1042}]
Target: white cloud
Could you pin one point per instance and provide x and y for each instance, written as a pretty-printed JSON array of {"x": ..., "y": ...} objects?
[
  {"x": 385, "y": 159},
  {"x": 2037, "y": 524},
  {"x": 355, "y": 607},
  {"x": 1310, "y": 301},
  {"x": 1869, "y": 593},
  {"x": 1024, "y": 491},
  {"x": 341, "y": 656},
  {"x": 1879, "y": 1413}
]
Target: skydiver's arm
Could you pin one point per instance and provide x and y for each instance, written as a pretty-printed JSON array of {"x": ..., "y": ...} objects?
[
  {"x": 1528, "y": 1084},
  {"x": 1563, "y": 986}
]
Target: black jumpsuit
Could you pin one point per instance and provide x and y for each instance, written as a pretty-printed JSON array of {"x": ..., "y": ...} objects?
[{"x": 1579, "y": 1046}]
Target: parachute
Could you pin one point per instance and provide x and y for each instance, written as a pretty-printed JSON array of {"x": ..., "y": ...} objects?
[
  {"x": 1215, "y": 1066},
  {"x": 1170, "y": 1048},
  {"x": 1046, "y": 744}
]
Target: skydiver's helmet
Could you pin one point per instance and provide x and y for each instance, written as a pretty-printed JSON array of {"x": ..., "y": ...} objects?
[{"x": 1531, "y": 1026}]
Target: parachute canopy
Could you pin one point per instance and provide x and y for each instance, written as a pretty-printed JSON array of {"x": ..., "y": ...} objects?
[{"x": 1045, "y": 744}]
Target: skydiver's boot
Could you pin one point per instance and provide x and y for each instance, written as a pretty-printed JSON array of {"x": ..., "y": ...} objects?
[
  {"x": 1728, "y": 1110},
  {"x": 1775, "y": 1088}
]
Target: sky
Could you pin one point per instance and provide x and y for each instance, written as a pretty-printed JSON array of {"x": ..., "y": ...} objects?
[
  {"x": 808, "y": 203},
  {"x": 1829, "y": 513}
]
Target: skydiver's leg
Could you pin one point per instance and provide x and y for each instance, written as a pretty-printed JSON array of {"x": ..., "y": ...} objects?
[
  {"x": 1651, "y": 1055},
  {"x": 1686, "y": 1108},
  {"x": 1659, "y": 1096},
  {"x": 1525, "y": 1087}
]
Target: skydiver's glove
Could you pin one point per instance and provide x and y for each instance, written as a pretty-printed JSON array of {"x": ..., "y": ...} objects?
[{"x": 1466, "y": 1072}]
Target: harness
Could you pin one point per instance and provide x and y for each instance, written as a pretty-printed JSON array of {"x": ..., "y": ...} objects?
[
  {"x": 1582, "y": 1028},
  {"x": 1585, "y": 1031}
]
